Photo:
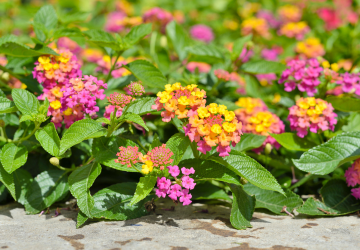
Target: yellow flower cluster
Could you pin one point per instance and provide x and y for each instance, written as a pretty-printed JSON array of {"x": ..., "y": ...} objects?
[
  {"x": 311, "y": 106},
  {"x": 147, "y": 167},
  {"x": 255, "y": 25},
  {"x": 311, "y": 47},
  {"x": 249, "y": 104},
  {"x": 261, "y": 122}
]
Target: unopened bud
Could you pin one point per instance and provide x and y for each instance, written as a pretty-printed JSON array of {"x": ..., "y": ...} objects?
[
  {"x": 268, "y": 148},
  {"x": 54, "y": 161},
  {"x": 243, "y": 181}
]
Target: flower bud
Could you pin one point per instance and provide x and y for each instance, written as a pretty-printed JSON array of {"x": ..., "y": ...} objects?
[{"x": 54, "y": 161}]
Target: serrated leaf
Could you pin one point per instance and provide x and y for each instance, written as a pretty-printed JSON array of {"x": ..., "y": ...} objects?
[
  {"x": 144, "y": 187},
  {"x": 112, "y": 203},
  {"x": 210, "y": 170},
  {"x": 26, "y": 118},
  {"x": 205, "y": 53},
  {"x": 242, "y": 209},
  {"x": 249, "y": 141},
  {"x": 47, "y": 17},
  {"x": 141, "y": 106},
  {"x": 178, "y": 38},
  {"x": 13, "y": 156},
  {"x": 178, "y": 144},
  {"x": 250, "y": 169},
  {"x": 8, "y": 181},
  {"x": 239, "y": 45},
  {"x": 263, "y": 67},
  {"x": 272, "y": 200},
  {"x": 7, "y": 106},
  {"x": 80, "y": 182},
  {"x": 325, "y": 158},
  {"x": 292, "y": 142},
  {"x": 147, "y": 73},
  {"x": 103, "y": 39},
  {"x": 345, "y": 104},
  {"x": 49, "y": 139},
  {"x": 81, "y": 219},
  {"x": 105, "y": 149},
  {"x": 208, "y": 191},
  {"x": 25, "y": 101},
  {"x": 133, "y": 118},
  {"x": 47, "y": 188},
  {"x": 137, "y": 33},
  {"x": 103, "y": 120},
  {"x": 337, "y": 201},
  {"x": 22, "y": 180},
  {"x": 81, "y": 131}
]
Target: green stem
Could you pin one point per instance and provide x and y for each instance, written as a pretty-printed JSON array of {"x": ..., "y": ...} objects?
[
  {"x": 141, "y": 146},
  {"x": 37, "y": 126},
  {"x": 136, "y": 168},
  {"x": 65, "y": 169},
  {"x": 90, "y": 160},
  {"x": 321, "y": 139},
  {"x": 10, "y": 72},
  {"x": 113, "y": 67},
  {"x": 152, "y": 45},
  {"x": 194, "y": 150},
  {"x": 3, "y": 84},
  {"x": 3, "y": 133}
]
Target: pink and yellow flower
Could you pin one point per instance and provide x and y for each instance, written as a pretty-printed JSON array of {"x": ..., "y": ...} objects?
[
  {"x": 249, "y": 106},
  {"x": 352, "y": 176},
  {"x": 290, "y": 13},
  {"x": 312, "y": 113},
  {"x": 178, "y": 100},
  {"x": 295, "y": 30},
  {"x": 128, "y": 156},
  {"x": 310, "y": 48},
  {"x": 255, "y": 26},
  {"x": 214, "y": 126}
]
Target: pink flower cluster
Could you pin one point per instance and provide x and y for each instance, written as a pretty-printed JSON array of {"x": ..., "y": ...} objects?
[
  {"x": 350, "y": 82},
  {"x": 303, "y": 74},
  {"x": 181, "y": 187},
  {"x": 128, "y": 155},
  {"x": 202, "y": 32},
  {"x": 117, "y": 102},
  {"x": 200, "y": 66},
  {"x": 135, "y": 89},
  {"x": 113, "y": 22},
  {"x": 71, "y": 96},
  {"x": 160, "y": 156},
  {"x": 233, "y": 76},
  {"x": 311, "y": 113},
  {"x": 158, "y": 16},
  {"x": 271, "y": 54},
  {"x": 352, "y": 176}
]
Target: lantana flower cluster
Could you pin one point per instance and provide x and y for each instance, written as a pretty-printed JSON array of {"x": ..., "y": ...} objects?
[
  {"x": 350, "y": 83},
  {"x": 202, "y": 32},
  {"x": 70, "y": 94},
  {"x": 295, "y": 30},
  {"x": 178, "y": 100},
  {"x": 200, "y": 66},
  {"x": 290, "y": 13},
  {"x": 303, "y": 74},
  {"x": 213, "y": 126},
  {"x": 313, "y": 114},
  {"x": 179, "y": 188},
  {"x": 158, "y": 16},
  {"x": 233, "y": 76},
  {"x": 352, "y": 176},
  {"x": 310, "y": 48},
  {"x": 256, "y": 26},
  {"x": 256, "y": 119}
]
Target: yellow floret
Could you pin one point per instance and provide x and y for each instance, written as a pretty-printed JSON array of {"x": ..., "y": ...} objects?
[
  {"x": 229, "y": 127},
  {"x": 229, "y": 116},
  {"x": 55, "y": 104},
  {"x": 203, "y": 112},
  {"x": 216, "y": 128}
]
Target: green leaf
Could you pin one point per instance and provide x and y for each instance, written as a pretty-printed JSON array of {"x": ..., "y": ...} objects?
[
  {"x": 112, "y": 203},
  {"x": 47, "y": 17},
  {"x": 81, "y": 219},
  {"x": 253, "y": 87},
  {"x": 103, "y": 39},
  {"x": 250, "y": 169},
  {"x": 345, "y": 104},
  {"x": 242, "y": 209},
  {"x": 210, "y": 170},
  {"x": 8, "y": 181},
  {"x": 103, "y": 120},
  {"x": 9, "y": 45},
  {"x": 49, "y": 139},
  {"x": 143, "y": 188},
  {"x": 7, "y": 106},
  {"x": 22, "y": 180},
  {"x": 80, "y": 182},
  {"x": 208, "y": 191},
  {"x": 273, "y": 160},
  {"x": 337, "y": 201},
  {"x": 13, "y": 157},
  {"x": 249, "y": 141},
  {"x": 263, "y": 67},
  {"x": 179, "y": 39},
  {"x": 353, "y": 123},
  {"x": 47, "y": 188},
  {"x": 292, "y": 142},
  {"x": 133, "y": 118},
  {"x": 147, "y": 73},
  {"x": 141, "y": 106},
  {"x": 156, "y": 142},
  {"x": 81, "y": 131},
  {"x": 25, "y": 101},
  {"x": 239, "y": 45},
  {"x": 205, "y": 53},
  {"x": 178, "y": 144},
  {"x": 272, "y": 200},
  {"x": 105, "y": 149},
  {"x": 25, "y": 118},
  {"x": 325, "y": 158},
  {"x": 137, "y": 33}
]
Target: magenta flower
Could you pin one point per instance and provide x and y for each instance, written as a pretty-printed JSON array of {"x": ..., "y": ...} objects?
[
  {"x": 174, "y": 171},
  {"x": 187, "y": 171},
  {"x": 356, "y": 193},
  {"x": 163, "y": 183},
  {"x": 202, "y": 33},
  {"x": 188, "y": 182},
  {"x": 185, "y": 197}
]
